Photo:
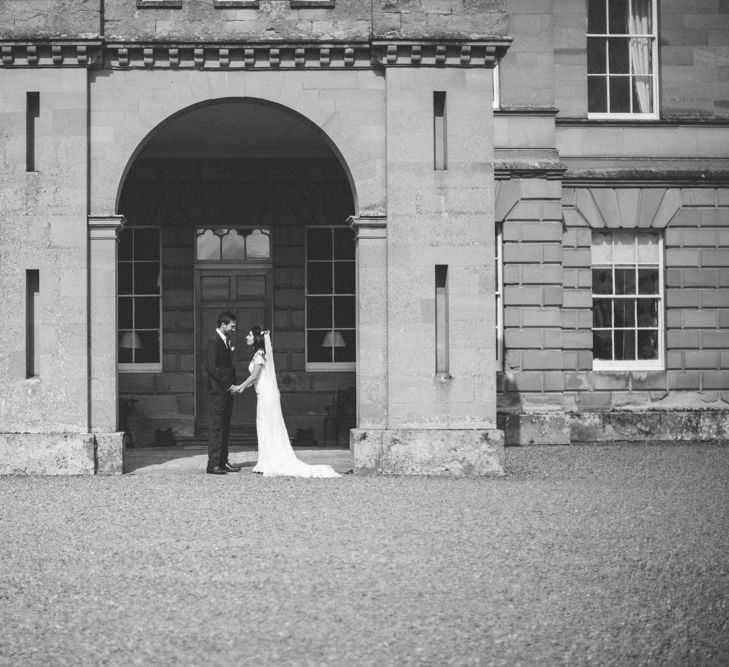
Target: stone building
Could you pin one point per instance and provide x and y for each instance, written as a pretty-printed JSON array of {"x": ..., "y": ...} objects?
[{"x": 502, "y": 219}]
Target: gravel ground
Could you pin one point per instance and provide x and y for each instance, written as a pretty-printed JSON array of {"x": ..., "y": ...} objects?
[{"x": 580, "y": 555}]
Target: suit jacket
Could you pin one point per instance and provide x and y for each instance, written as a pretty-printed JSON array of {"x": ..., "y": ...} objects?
[{"x": 219, "y": 367}]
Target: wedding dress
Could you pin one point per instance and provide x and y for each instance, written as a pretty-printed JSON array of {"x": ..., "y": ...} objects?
[{"x": 275, "y": 454}]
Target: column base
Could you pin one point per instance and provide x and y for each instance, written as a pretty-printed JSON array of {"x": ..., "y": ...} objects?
[
  {"x": 443, "y": 452},
  {"x": 61, "y": 453},
  {"x": 110, "y": 451},
  {"x": 47, "y": 454}
]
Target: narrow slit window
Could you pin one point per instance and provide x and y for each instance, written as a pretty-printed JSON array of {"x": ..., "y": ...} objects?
[
  {"x": 32, "y": 347},
  {"x": 441, "y": 319},
  {"x": 439, "y": 131},
  {"x": 32, "y": 113}
]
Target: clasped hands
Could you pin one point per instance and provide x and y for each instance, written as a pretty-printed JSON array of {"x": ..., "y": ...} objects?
[{"x": 236, "y": 389}]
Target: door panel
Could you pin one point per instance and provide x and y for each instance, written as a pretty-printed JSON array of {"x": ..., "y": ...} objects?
[{"x": 246, "y": 294}]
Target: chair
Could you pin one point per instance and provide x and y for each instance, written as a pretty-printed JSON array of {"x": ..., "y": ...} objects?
[{"x": 341, "y": 414}]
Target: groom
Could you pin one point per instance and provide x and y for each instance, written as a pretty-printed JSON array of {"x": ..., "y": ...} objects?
[{"x": 220, "y": 376}]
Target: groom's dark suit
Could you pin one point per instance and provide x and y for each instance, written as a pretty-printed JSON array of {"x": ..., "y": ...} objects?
[{"x": 220, "y": 376}]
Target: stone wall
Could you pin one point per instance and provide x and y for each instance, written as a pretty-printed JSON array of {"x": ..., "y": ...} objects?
[
  {"x": 694, "y": 59},
  {"x": 43, "y": 227},
  {"x": 48, "y": 19}
]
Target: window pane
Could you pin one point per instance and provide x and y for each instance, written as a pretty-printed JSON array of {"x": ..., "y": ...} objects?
[
  {"x": 343, "y": 244},
  {"x": 602, "y": 345},
  {"x": 596, "y": 17},
  {"x": 625, "y": 281},
  {"x": 125, "y": 347},
  {"x": 642, "y": 94},
  {"x": 619, "y": 94},
  {"x": 642, "y": 17},
  {"x": 648, "y": 281},
  {"x": 125, "y": 278},
  {"x": 346, "y": 353},
  {"x": 148, "y": 353},
  {"x": 146, "y": 278},
  {"x": 344, "y": 311},
  {"x": 319, "y": 243},
  {"x": 648, "y": 249},
  {"x": 318, "y": 312},
  {"x": 344, "y": 278},
  {"x": 208, "y": 245},
  {"x": 146, "y": 244},
  {"x": 314, "y": 350},
  {"x": 624, "y": 248},
  {"x": 146, "y": 313},
  {"x": 602, "y": 313},
  {"x": 125, "y": 245},
  {"x": 602, "y": 282},
  {"x": 234, "y": 245},
  {"x": 647, "y": 312},
  {"x": 596, "y": 55},
  {"x": 624, "y": 310},
  {"x": 126, "y": 305},
  {"x": 624, "y": 345},
  {"x": 618, "y": 17},
  {"x": 618, "y": 59},
  {"x": 648, "y": 344},
  {"x": 258, "y": 245},
  {"x": 602, "y": 248},
  {"x": 596, "y": 94},
  {"x": 319, "y": 278}
]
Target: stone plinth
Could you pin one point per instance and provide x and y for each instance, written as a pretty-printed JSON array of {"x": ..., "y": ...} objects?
[
  {"x": 443, "y": 452},
  {"x": 110, "y": 451},
  {"x": 46, "y": 454}
]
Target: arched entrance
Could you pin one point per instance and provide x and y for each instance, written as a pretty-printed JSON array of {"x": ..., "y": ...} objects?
[{"x": 242, "y": 205}]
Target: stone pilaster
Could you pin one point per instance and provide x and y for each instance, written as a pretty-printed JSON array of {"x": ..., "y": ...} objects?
[
  {"x": 371, "y": 239},
  {"x": 103, "y": 383}
]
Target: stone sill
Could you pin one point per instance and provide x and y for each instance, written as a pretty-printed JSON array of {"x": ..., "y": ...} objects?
[
  {"x": 312, "y": 4},
  {"x": 159, "y": 4},
  {"x": 236, "y": 4}
]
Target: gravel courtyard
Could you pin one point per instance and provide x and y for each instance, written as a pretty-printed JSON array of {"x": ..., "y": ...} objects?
[{"x": 580, "y": 555}]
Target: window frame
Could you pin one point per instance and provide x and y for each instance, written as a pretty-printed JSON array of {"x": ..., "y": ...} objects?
[
  {"x": 654, "y": 114},
  {"x": 499, "y": 294},
  {"x": 324, "y": 366},
  {"x": 622, "y": 365},
  {"x": 146, "y": 367},
  {"x": 245, "y": 261}
]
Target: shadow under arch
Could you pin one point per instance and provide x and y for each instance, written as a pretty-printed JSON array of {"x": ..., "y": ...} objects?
[{"x": 263, "y": 104}]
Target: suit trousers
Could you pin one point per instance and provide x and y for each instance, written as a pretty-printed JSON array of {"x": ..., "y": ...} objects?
[{"x": 221, "y": 408}]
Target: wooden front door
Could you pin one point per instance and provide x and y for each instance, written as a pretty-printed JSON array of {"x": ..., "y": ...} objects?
[{"x": 247, "y": 294}]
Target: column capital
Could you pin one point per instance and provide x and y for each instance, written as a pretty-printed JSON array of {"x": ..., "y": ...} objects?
[
  {"x": 106, "y": 226},
  {"x": 368, "y": 226}
]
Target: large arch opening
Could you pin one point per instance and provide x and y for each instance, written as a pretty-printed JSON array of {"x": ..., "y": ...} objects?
[{"x": 241, "y": 205}]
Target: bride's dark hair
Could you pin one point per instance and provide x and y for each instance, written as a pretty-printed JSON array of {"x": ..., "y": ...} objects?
[{"x": 258, "y": 339}]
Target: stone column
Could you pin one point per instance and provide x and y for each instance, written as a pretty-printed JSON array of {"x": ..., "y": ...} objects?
[
  {"x": 371, "y": 242},
  {"x": 103, "y": 379}
]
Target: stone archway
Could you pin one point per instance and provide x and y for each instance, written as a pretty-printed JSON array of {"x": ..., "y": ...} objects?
[
  {"x": 349, "y": 112},
  {"x": 229, "y": 168}
]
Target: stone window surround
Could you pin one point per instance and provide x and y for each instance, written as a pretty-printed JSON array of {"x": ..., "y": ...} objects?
[
  {"x": 640, "y": 364},
  {"x": 653, "y": 114}
]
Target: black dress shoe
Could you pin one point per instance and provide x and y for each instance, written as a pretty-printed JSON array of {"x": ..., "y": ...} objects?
[
  {"x": 231, "y": 467},
  {"x": 216, "y": 470}
]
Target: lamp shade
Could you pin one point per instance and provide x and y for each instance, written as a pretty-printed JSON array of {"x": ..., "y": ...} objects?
[
  {"x": 333, "y": 339},
  {"x": 130, "y": 341}
]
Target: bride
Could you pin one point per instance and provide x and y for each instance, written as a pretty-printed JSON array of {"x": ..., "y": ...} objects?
[{"x": 275, "y": 454}]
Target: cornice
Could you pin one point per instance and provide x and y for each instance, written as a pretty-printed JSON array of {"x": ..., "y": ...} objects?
[
  {"x": 56, "y": 53},
  {"x": 250, "y": 55}
]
